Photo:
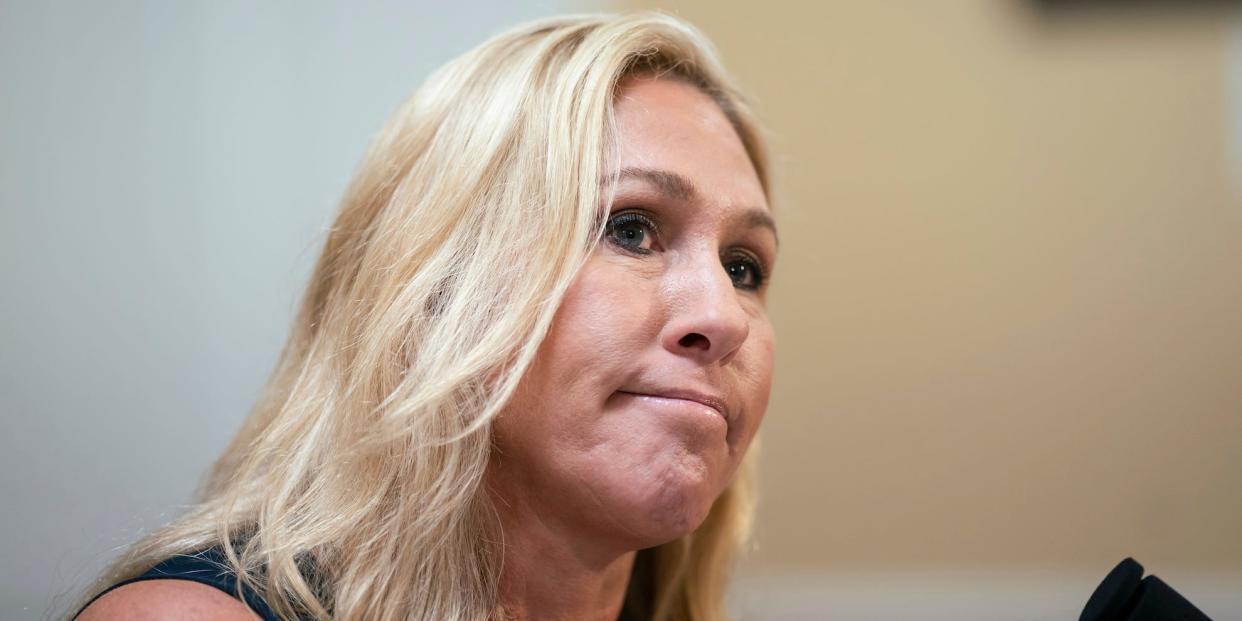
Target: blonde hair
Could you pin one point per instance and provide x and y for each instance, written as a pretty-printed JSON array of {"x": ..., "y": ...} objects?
[{"x": 354, "y": 489}]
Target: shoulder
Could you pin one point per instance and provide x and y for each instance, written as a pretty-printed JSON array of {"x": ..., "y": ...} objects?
[{"x": 149, "y": 600}]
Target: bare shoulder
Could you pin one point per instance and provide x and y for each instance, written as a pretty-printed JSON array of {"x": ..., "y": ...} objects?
[{"x": 151, "y": 600}]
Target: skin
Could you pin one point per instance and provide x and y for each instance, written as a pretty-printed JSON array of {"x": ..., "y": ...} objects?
[
  {"x": 585, "y": 473},
  {"x": 161, "y": 600}
]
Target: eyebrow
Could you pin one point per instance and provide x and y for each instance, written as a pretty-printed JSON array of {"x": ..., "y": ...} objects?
[
  {"x": 673, "y": 186},
  {"x": 670, "y": 184}
]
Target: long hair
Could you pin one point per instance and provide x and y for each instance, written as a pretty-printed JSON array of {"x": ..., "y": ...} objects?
[{"x": 354, "y": 490}]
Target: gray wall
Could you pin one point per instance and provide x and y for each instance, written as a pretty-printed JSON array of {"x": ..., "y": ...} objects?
[{"x": 167, "y": 171}]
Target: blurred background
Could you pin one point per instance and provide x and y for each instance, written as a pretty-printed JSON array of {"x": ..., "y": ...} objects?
[{"x": 1008, "y": 304}]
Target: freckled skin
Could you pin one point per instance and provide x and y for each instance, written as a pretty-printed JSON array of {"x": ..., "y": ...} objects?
[{"x": 581, "y": 458}]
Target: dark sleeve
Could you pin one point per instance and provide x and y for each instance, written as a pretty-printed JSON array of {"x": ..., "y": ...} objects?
[{"x": 207, "y": 567}]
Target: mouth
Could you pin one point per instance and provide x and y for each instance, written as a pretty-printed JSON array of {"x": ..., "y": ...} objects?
[{"x": 715, "y": 404}]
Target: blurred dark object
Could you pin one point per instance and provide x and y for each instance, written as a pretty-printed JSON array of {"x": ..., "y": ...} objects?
[
  {"x": 1123, "y": 4},
  {"x": 1125, "y": 595}
]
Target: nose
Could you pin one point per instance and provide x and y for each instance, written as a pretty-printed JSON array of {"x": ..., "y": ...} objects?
[{"x": 706, "y": 320}]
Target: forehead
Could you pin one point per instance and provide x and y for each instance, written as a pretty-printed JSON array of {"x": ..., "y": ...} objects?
[{"x": 669, "y": 125}]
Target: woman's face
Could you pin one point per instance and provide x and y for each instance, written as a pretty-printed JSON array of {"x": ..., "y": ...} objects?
[{"x": 655, "y": 376}]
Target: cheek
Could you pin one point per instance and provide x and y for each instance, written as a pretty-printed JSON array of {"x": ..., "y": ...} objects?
[
  {"x": 595, "y": 341},
  {"x": 765, "y": 362},
  {"x": 605, "y": 321},
  {"x": 754, "y": 381}
]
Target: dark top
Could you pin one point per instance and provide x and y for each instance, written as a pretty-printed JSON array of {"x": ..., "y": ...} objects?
[{"x": 208, "y": 567}]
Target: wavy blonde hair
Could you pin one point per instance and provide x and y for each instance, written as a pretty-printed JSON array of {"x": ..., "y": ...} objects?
[{"x": 354, "y": 489}]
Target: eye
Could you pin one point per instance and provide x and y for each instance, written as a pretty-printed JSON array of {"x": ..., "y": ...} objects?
[
  {"x": 632, "y": 231},
  {"x": 744, "y": 270}
]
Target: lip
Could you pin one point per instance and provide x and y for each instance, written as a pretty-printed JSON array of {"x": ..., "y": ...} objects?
[{"x": 710, "y": 401}]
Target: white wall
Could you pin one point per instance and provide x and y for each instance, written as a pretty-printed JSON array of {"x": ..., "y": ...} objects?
[{"x": 166, "y": 172}]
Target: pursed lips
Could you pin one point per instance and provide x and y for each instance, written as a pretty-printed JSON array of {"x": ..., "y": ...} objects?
[{"x": 687, "y": 395}]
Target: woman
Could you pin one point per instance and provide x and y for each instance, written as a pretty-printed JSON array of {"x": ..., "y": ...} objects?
[{"x": 528, "y": 364}]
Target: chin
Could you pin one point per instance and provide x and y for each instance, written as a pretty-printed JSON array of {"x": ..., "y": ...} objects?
[{"x": 666, "y": 513}]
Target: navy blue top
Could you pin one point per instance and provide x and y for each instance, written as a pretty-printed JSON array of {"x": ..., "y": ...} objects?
[{"x": 208, "y": 567}]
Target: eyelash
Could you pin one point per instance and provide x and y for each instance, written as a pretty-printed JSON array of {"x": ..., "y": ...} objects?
[
  {"x": 635, "y": 217},
  {"x": 754, "y": 265},
  {"x": 631, "y": 217}
]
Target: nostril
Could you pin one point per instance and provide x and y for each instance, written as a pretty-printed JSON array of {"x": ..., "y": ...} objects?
[{"x": 694, "y": 339}]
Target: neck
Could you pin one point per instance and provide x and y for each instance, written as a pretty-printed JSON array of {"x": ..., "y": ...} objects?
[{"x": 548, "y": 573}]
